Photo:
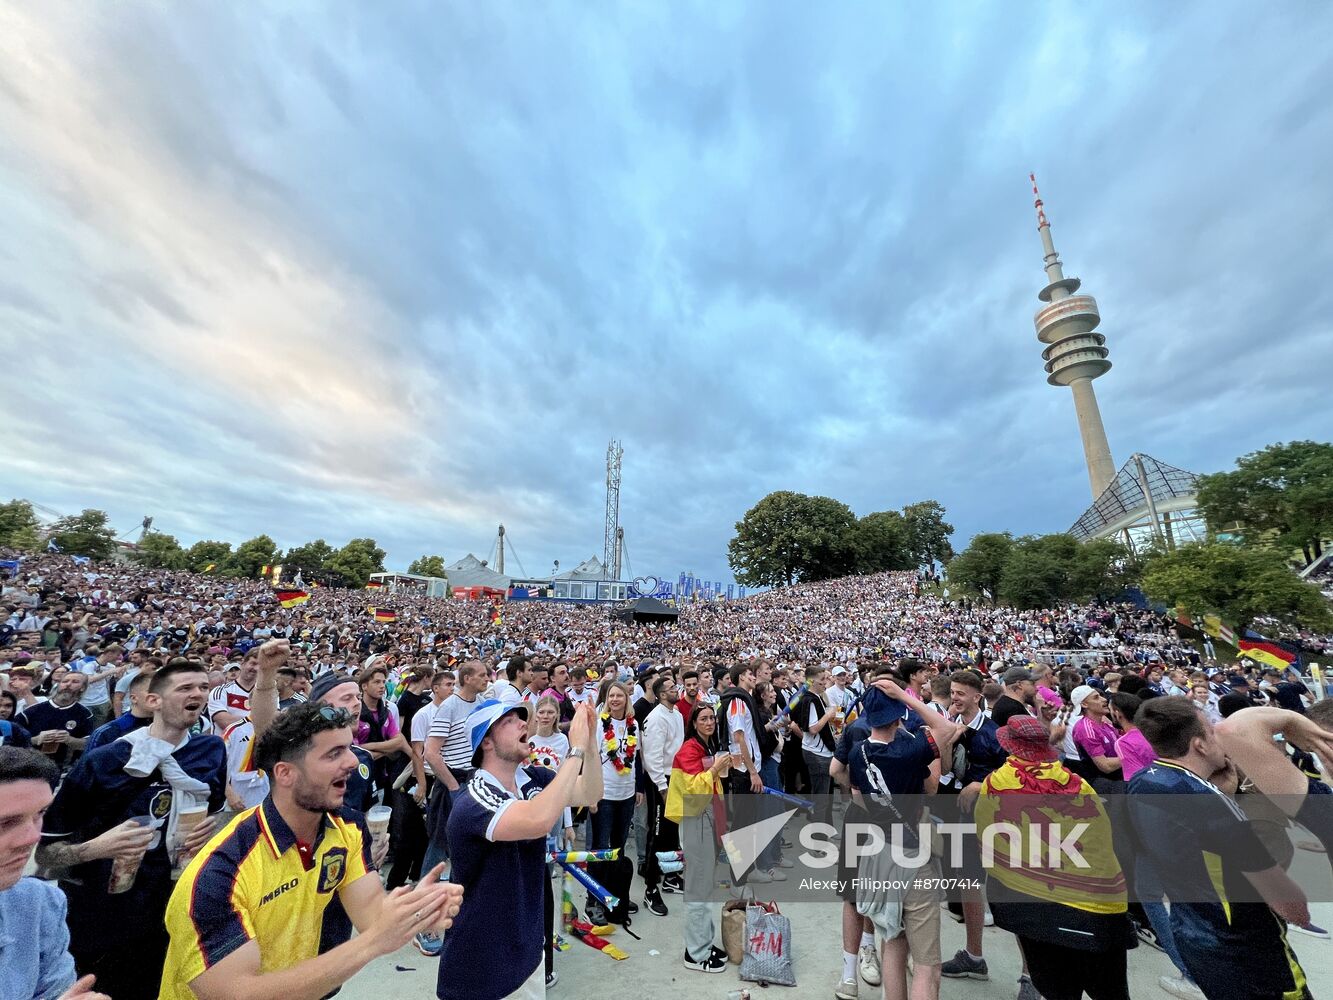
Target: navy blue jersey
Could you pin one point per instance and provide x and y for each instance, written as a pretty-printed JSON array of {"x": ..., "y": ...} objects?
[
  {"x": 114, "y": 730},
  {"x": 97, "y": 795},
  {"x": 502, "y": 887},
  {"x": 1203, "y": 844}
]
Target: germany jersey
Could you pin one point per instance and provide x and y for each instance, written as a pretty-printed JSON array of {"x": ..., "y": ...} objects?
[{"x": 251, "y": 882}]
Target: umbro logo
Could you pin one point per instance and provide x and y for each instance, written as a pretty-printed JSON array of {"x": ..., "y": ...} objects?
[{"x": 273, "y": 894}]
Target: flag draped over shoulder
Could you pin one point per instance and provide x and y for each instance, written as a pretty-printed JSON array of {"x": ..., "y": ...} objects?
[
  {"x": 1033, "y": 798},
  {"x": 291, "y": 598}
]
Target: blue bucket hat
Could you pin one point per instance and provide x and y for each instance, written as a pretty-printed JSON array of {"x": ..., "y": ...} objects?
[
  {"x": 879, "y": 710},
  {"x": 483, "y": 717}
]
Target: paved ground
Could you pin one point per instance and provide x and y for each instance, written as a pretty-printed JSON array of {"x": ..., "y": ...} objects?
[{"x": 654, "y": 971}]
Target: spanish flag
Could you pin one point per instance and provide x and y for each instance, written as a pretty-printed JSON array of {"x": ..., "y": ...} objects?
[
  {"x": 385, "y": 615},
  {"x": 1268, "y": 653},
  {"x": 291, "y": 598}
]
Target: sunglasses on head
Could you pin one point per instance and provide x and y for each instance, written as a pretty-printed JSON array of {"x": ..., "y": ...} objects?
[{"x": 338, "y": 716}]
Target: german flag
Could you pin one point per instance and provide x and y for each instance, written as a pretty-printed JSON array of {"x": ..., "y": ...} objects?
[
  {"x": 291, "y": 598},
  {"x": 210, "y": 567},
  {"x": 385, "y": 615},
  {"x": 374, "y": 584},
  {"x": 497, "y": 616},
  {"x": 1268, "y": 653}
]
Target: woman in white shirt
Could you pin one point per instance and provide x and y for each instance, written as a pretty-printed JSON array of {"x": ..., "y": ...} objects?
[{"x": 618, "y": 741}]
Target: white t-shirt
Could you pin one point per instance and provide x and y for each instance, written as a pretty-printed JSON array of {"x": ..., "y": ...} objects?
[
  {"x": 589, "y": 694},
  {"x": 615, "y": 787},
  {"x": 504, "y": 692},
  {"x": 813, "y": 741},
  {"x": 741, "y": 723},
  {"x": 421, "y": 726},
  {"x": 251, "y": 786},
  {"x": 836, "y": 697}
]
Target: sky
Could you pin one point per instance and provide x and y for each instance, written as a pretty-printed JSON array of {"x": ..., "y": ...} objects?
[{"x": 402, "y": 271}]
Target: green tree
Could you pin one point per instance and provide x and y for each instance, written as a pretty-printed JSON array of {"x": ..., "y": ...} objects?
[
  {"x": 1281, "y": 496},
  {"x": 1039, "y": 570},
  {"x": 308, "y": 558},
  {"x": 18, "y": 526},
  {"x": 253, "y": 554},
  {"x": 355, "y": 561},
  {"x": 788, "y": 536},
  {"x": 85, "y": 534},
  {"x": 927, "y": 532},
  {"x": 980, "y": 566},
  {"x": 427, "y": 566},
  {"x": 1235, "y": 582},
  {"x": 1103, "y": 568},
  {"x": 200, "y": 555},
  {"x": 879, "y": 543},
  {"x": 159, "y": 551}
]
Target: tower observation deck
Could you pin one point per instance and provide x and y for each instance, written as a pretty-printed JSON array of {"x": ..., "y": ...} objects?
[{"x": 1075, "y": 353}]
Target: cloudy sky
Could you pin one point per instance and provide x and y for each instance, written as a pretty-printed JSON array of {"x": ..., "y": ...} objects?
[{"x": 403, "y": 270}]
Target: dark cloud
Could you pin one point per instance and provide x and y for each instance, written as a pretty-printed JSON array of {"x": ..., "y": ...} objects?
[{"x": 404, "y": 271}]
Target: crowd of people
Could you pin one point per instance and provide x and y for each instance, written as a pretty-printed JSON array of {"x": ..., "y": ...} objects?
[{"x": 221, "y": 789}]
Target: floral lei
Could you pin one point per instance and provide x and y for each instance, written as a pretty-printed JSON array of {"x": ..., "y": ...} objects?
[{"x": 622, "y": 763}]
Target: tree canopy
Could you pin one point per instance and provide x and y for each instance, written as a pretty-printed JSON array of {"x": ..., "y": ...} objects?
[
  {"x": 427, "y": 566},
  {"x": 202, "y": 554},
  {"x": 787, "y": 537},
  {"x": 85, "y": 534},
  {"x": 254, "y": 554},
  {"x": 18, "y": 526},
  {"x": 308, "y": 558},
  {"x": 1281, "y": 496},
  {"x": 1237, "y": 582},
  {"x": 355, "y": 561},
  {"x": 1038, "y": 571},
  {"x": 157, "y": 550}
]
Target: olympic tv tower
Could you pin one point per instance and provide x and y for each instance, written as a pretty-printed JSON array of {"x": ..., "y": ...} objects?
[{"x": 1075, "y": 354}]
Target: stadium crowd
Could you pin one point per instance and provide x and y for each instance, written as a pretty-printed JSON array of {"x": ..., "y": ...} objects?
[{"x": 221, "y": 786}]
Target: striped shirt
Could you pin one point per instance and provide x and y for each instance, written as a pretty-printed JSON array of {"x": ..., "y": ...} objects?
[
  {"x": 249, "y": 883},
  {"x": 450, "y": 725}
]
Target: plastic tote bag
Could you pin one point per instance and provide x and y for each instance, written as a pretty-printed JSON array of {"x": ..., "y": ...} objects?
[{"x": 767, "y": 956}]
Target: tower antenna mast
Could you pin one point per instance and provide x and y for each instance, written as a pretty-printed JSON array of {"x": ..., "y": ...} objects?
[
  {"x": 1075, "y": 353},
  {"x": 610, "y": 541}
]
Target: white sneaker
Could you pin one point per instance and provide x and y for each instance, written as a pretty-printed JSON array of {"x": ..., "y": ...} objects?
[
  {"x": 777, "y": 875},
  {"x": 1179, "y": 986},
  {"x": 868, "y": 962},
  {"x": 846, "y": 990},
  {"x": 760, "y": 876}
]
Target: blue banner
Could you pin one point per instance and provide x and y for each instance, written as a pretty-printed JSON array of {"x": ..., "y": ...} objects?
[{"x": 731, "y": 591}]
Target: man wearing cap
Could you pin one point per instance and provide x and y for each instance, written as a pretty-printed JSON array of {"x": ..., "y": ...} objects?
[
  {"x": 1020, "y": 688},
  {"x": 838, "y": 695},
  {"x": 497, "y": 835},
  {"x": 888, "y": 769}
]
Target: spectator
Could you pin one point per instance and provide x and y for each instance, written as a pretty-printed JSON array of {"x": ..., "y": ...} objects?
[
  {"x": 233, "y": 937},
  {"x": 124, "y": 801},
  {"x": 35, "y": 962},
  {"x": 693, "y": 792},
  {"x": 497, "y": 831}
]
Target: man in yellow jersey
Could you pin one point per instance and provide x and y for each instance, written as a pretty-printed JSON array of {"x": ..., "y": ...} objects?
[{"x": 248, "y": 918}]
